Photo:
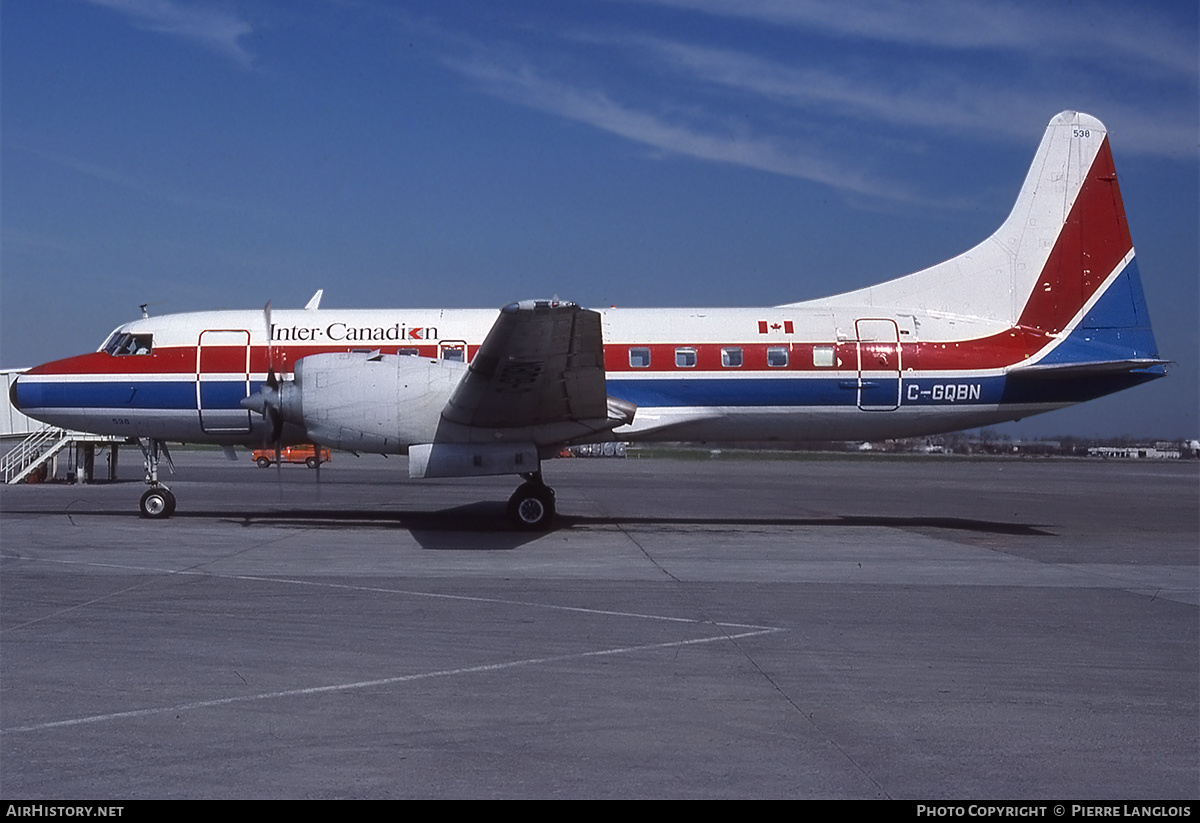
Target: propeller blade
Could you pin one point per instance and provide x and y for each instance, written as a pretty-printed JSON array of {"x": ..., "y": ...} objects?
[
  {"x": 318, "y": 470},
  {"x": 270, "y": 337},
  {"x": 272, "y": 412}
]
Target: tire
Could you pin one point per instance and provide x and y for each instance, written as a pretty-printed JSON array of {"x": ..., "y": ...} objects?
[
  {"x": 311, "y": 462},
  {"x": 531, "y": 508},
  {"x": 157, "y": 503},
  {"x": 263, "y": 462}
]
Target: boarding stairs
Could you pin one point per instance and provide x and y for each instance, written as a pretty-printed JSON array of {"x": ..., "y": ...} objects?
[{"x": 39, "y": 448}]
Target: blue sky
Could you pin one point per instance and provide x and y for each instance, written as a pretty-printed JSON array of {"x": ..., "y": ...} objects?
[{"x": 632, "y": 152}]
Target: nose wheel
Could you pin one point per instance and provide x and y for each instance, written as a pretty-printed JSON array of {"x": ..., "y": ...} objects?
[
  {"x": 531, "y": 508},
  {"x": 157, "y": 503}
]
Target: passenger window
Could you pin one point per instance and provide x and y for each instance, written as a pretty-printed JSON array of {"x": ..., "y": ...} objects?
[
  {"x": 639, "y": 358},
  {"x": 823, "y": 356},
  {"x": 777, "y": 356},
  {"x": 685, "y": 358},
  {"x": 408, "y": 352},
  {"x": 731, "y": 358}
]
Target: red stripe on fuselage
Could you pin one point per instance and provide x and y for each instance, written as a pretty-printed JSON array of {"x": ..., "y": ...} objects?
[
  {"x": 283, "y": 358},
  {"x": 993, "y": 352},
  {"x": 175, "y": 360},
  {"x": 1093, "y": 241},
  {"x": 222, "y": 359},
  {"x": 217, "y": 360}
]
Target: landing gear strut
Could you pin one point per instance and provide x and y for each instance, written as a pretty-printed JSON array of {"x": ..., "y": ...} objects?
[
  {"x": 531, "y": 508},
  {"x": 157, "y": 503}
]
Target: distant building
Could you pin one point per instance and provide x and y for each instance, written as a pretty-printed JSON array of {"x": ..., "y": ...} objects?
[{"x": 1148, "y": 452}]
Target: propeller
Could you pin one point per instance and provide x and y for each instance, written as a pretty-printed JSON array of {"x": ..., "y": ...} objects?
[
  {"x": 269, "y": 401},
  {"x": 318, "y": 470},
  {"x": 266, "y": 401}
]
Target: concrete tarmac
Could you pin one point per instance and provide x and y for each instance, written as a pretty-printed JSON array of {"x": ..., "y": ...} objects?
[{"x": 926, "y": 628}]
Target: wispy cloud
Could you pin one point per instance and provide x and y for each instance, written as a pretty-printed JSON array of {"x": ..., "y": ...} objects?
[
  {"x": 932, "y": 99},
  {"x": 733, "y": 143},
  {"x": 926, "y": 97},
  {"x": 1111, "y": 32},
  {"x": 209, "y": 27},
  {"x": 826, "y": 87}
]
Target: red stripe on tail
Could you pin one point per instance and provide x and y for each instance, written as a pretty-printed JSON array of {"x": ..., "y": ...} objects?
[{"x": 1093, "y": 241}]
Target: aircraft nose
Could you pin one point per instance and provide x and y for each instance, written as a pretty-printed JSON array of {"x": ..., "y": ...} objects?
[
  {"x": 24, "y": 394},
  {"x": 13, "y": 395}
]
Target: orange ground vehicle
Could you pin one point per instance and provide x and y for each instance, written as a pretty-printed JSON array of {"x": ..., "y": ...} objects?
[{"x": 306, "y": 454}]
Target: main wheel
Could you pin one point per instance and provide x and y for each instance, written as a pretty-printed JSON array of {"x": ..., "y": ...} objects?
[
  {"x": 531, "y": 508},
  {"x": 157, "y": 503},
  {"x": 263, "y": 462}
]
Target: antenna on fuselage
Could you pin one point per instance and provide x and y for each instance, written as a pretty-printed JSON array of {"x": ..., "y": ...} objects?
[{"x": 144, "y": 306}]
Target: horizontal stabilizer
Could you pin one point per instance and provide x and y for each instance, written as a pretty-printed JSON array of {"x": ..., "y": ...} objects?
[{"x": 1097, "y": 368}]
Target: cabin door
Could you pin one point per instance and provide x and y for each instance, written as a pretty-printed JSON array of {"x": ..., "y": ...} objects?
[
  {"x": 223, "y": 380},
  {"x": 878, "y": 364}
]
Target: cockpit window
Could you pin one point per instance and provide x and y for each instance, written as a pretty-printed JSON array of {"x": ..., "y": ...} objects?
[{"x": 126, "y": 343}]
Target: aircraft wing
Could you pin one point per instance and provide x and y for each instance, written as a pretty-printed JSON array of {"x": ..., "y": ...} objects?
[{"x": 542, "y": 363}]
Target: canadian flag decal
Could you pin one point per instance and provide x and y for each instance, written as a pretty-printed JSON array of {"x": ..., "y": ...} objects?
[{"x": 765, "y": 327}]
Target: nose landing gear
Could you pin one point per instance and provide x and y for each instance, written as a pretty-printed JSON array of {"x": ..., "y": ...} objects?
[{"x": 157, "y": 503}]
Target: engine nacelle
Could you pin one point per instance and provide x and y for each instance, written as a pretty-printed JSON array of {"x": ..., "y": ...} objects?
[
  {"x": 392, "y": 404},
  {"x": 472, "y": 459},
  {"x": 378, "y": 403}
]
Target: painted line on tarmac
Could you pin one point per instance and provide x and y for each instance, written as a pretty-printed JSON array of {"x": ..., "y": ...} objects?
[{"x": 367, "y": 684}]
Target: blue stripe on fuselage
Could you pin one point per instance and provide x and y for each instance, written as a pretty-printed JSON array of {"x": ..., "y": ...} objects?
[
  {"x": 222, "y": 394},
  {"x": 665, "y": 392},
  {"x": 716, "y": 391},
  {"x": 131, "y": 394},
  {"x": 802, "y": 391}
]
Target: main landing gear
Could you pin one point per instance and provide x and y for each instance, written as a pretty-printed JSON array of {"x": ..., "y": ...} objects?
[
  {"x": 531, "y": 508},
  {"x": 157, "y": 503}
]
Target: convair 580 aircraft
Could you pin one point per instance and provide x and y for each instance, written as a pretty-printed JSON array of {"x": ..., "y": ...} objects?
[{"x": 1046, "y": 312}]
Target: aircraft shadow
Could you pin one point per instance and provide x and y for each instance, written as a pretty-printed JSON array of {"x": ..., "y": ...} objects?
[
  {"x": 489, "y": 530},
  {"x": 486, "y": 521},
  {"x": 841, "y": 521}
]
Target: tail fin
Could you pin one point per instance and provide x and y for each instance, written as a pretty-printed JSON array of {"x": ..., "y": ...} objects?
[
  {"x": 1062, "y": 263},
  {"x": 1089, "y": 293}
]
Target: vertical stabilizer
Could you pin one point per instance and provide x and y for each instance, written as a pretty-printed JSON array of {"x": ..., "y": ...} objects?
[{"x": 1065, "y": 238}]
